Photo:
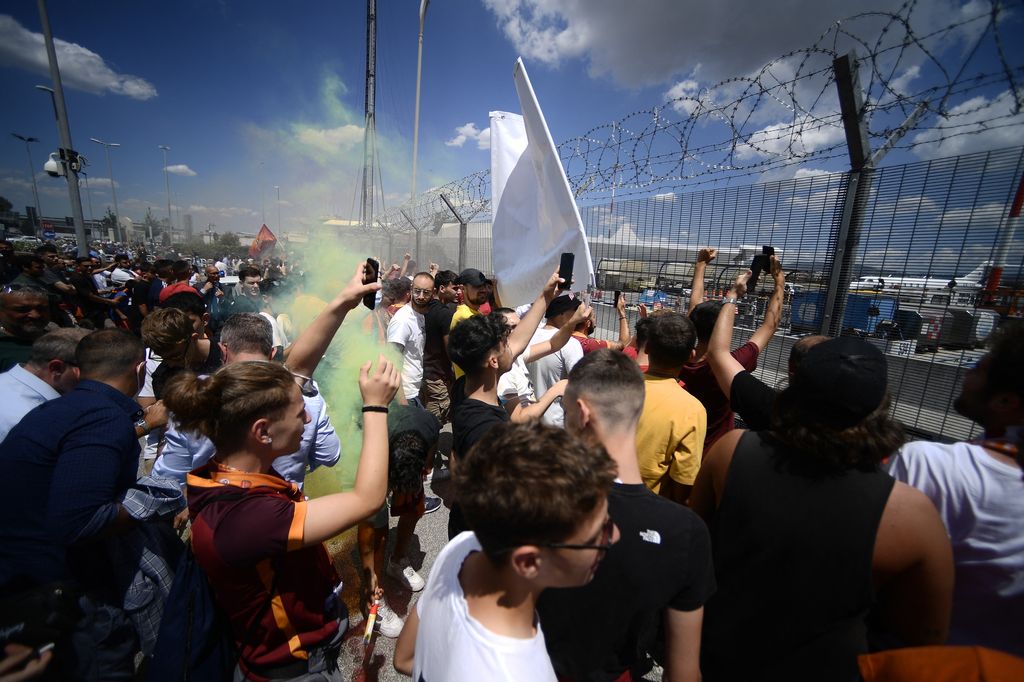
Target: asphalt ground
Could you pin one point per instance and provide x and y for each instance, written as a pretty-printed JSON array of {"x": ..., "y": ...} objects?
[{"x": 374, "y": 661}]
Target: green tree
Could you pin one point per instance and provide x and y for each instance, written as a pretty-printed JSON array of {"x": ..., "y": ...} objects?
[
  {"x": 228, "y": 239},
  {"x": 150, "y": 225},
  {"x": 109, "y": 222}
]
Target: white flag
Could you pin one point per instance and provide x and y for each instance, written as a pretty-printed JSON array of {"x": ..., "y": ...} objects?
[{"x": 534, "y": 211}]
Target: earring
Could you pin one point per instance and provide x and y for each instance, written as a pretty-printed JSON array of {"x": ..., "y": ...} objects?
[{"x": 268, "y": 441}]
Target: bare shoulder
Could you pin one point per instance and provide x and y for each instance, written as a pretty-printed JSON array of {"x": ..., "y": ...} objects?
[{"x": 909, "y": 528}]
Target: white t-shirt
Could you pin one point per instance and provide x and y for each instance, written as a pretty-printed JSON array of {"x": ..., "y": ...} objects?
[
  {"x": 981, "y": 502},
  {"x": 406, "y": 329},
  {"x": 551, "y": 369},
  {"x": 453, "y": 646},
  {"x": 515, "y": 384},
  {"x": 152, "y": 439},
  {"x": 279, "y": 338}
]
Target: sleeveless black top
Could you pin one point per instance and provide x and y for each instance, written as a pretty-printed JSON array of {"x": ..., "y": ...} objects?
[{"x": 792, "y": 550}]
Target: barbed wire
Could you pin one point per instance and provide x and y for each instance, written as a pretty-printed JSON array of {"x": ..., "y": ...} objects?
[{"x": 785, "y": 114}]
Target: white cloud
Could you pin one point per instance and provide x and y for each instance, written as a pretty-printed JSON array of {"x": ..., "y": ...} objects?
[
  {"x": 80, "y": 67},
  {"x": 975, "y": 125},
  {"x": 650, "y": 43},
  {"x": 96, "y": 183},
  {"x": 786, "y": 139},
  {"x": 811, "y": 172},
  {"x": 224, "y": 211},
  {"x": 181, "y": 169},
  {"x": 469, "y": 131},
  {"x": 683, "y": 96},
  {"x": 901, "y": 83}
]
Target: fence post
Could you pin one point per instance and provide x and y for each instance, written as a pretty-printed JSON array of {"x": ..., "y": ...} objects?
[
  {"x": 462, "y": 232},
  {"x": 851, "y": 103}
]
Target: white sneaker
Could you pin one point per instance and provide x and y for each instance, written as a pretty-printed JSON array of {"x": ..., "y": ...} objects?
[
  {"x": 390, "y": 623},
  {"x": 405, "y": 574}
]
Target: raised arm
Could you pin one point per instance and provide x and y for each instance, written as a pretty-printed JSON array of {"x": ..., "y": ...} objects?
[
  {"x": 520, "y": 338},
  {"x": 620, "y": 309},
  {"x": 560, "y": 338},
  {"x": 773, "y": 313},
  {"x": 329, "y": 515},
  {"x": 311, "y": 345},
  {"x": 704, "y": 256},
  {"x": 723, "y": 364},
  {"x": 524, "y": 413}
]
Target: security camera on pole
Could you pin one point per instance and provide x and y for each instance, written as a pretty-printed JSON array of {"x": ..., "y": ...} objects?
[{"x": 69, "y": 160}]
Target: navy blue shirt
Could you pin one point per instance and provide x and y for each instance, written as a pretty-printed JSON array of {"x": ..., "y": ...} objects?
[{"x": 67, "y": 463}]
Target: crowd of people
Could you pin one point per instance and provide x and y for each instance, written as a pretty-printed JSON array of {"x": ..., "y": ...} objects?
[{"x": 609, "y": 514}]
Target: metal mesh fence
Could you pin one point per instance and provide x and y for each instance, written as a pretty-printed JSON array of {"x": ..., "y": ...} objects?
[{"x": 925, "y": 236}]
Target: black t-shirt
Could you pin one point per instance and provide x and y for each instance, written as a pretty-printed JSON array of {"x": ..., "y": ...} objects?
[
  {"x": 436, "y": 324},
  {"x": 138, "y": 289},
  {"x": 662, "y": 560},
  {"x": 84, "y": 287},
  {"x": 471, "y": 420},
  {"x": 752, "y": 400},
  {"x": 411, "y": 418}
]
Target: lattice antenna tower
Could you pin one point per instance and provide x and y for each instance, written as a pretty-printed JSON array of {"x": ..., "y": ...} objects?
[{"x": 370, "y": 123}]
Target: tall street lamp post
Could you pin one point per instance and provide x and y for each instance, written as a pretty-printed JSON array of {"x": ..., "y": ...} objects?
[
  {"x": 32, "y": 171},
  {"x": 110, "y": 173},
  {"x": 416, "y": 118},
  {"x": 69, "y": 157},
  {"x": 167, "y": 181},
  {"x": 278, "y": 189}
]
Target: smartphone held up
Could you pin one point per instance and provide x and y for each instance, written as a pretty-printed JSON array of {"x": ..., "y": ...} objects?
[
  {"x": 371, "y": 273},
  {"x": 762, "y": 263}
]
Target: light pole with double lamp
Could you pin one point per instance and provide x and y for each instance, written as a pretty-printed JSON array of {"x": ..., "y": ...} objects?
[
  {"x": 113, "y": 192},
  {"x": 32, "y": 171},
  {"x": 167, "y": 180}
]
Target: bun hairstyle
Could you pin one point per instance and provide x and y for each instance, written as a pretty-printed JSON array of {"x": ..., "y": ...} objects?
[{"x": 224, "y": 405}]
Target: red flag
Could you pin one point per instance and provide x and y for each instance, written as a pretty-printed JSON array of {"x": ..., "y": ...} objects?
[{"x": 265, "y": 241}]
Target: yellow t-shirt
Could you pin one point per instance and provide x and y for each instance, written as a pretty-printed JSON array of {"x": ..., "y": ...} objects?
[
  {"x": 463, "y": 312},
  {"x": 670, "y": 435}
]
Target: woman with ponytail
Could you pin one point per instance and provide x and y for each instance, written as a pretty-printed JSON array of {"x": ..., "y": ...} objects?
[{"x": 258, "y": 540}]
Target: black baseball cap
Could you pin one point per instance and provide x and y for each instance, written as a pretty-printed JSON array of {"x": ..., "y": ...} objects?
[
  {"x": 841, "y": 381},
  {"x": 472, "y": 277},
  {"x": 562, "y": 304}
]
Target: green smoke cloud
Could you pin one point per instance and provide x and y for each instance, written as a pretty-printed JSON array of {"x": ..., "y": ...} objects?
[{"x": 329, "y": 263}]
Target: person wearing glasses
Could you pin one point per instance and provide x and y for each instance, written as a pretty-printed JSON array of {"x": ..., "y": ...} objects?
[
  {"x": 659, "y": 574},
  {"x": 405, "y": 333},
  {"x": 536, "y": 499}
]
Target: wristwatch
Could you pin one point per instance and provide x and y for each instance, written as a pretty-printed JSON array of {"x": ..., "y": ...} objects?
[
  {"x": 141, "y": 424},
  {"x": 731, "y": 299}
]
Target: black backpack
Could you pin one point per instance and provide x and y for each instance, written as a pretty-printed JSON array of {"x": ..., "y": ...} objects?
[{"x": 195, "y": 641}]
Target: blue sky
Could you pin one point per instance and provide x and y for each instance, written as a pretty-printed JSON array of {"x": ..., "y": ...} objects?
[{"x": 254, "y": 94}]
